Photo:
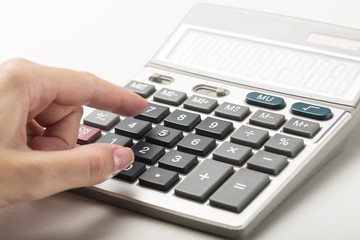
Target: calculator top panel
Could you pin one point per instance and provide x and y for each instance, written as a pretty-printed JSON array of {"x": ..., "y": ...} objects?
[{"x": 282, "y": 54}]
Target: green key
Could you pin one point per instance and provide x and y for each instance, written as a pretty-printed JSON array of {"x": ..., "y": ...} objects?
[
  {"x": 311, "y": 111},
  {"x": 265, "y": 100}
]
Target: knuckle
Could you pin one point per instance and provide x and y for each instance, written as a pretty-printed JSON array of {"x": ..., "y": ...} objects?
[
  {"x": 79, "y": 110},
  {"x": 13, "y": 71}
]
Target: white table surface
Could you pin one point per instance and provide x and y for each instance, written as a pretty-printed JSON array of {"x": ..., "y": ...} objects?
[{"x": 114, "y": 39}]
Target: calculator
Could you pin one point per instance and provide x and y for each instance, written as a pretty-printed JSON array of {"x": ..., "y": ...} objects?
[{"x": 243, "y": 107}]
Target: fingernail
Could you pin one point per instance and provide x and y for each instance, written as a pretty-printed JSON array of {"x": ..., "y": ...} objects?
[{"x": 121, "y": 158}]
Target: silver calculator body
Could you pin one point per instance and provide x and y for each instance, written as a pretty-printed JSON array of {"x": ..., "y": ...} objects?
[{"x": 251, "y": 60}]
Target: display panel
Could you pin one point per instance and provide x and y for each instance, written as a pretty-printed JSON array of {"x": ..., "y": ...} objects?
[{"x": 257, "y": 63}]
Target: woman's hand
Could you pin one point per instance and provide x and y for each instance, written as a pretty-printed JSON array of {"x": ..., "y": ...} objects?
[{"x": 40, "y": 112}]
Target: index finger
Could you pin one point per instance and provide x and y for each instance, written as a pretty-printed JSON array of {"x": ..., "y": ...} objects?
[{"x": 69, "y": 87}]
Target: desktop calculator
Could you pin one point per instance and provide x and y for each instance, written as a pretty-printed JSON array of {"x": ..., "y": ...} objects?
[{"x": 243, "y": 107}]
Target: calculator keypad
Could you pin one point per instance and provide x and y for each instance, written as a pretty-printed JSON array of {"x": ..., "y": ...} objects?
[{"x": 226, "y": 153}]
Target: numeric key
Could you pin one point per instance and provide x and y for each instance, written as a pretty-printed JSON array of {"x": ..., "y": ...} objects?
[
  {"x": 132, "y": 127},
  {"x": 115, "y": 139},
  {"x": 164, "y": 136},
  {"x": 178, "y": 161},
  {"x": 132, "y": 172},
  {"x": 182, "y": 120},
  {"x": 214, "y": 128},
  {"x": 196, "y": 144},
  {"x": 147, "y": 153},
  {"x": 154, "y": 113}
]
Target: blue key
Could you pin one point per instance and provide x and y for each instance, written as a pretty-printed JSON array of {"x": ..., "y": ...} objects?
[
  {"x": 265, "y": 100},
  {"x": 311, "y": 111}
]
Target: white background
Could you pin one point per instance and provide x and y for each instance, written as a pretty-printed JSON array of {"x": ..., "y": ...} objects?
[{"x": 114, "y": 39}]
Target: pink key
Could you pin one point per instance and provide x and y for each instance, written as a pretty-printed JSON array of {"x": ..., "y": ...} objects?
[{"x": 87, "y": 134}]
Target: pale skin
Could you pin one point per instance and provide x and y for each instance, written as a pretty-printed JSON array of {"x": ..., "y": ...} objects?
[{"x": 40, "y": 112}]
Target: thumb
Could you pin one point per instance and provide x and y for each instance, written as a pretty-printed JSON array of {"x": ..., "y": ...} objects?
[{"x": 42, "y": 174}]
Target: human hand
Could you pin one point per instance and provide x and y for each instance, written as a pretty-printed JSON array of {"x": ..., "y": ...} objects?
[{"x": 40, "y": 112}]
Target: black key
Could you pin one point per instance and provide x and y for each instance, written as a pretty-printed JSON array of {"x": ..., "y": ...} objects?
[
  {"x": 182, "y": 120},
  {"x": 239, "y": 190},
  {"x": 215, "y": 128},
  {"x": 147, "y": 153},
  {"x": 132, "y": 172},
  {"x": 164, "y": 136},
  {"x": 203, "y": 180},
  {"x": 178, "y": 161},
  {"x": 143, "y": 89},
  {"x": 154, "y": 113},
  {"x": 101, "y": 119},
  {"x": 116, "y": 139},
  {"x": 158, "y": 178},
  {"x": 196, "y": 144},
  {"x": 132, "y": 127}
]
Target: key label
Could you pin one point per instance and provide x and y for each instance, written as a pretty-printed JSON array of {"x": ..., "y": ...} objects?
[
  {"x": 240, "y": 186},
  {"x": 310, "y": 107},
  {"x": 232, "y": 149},
  {"x": 250, "y": 133},
  {"x": 299, "y": 124},
  {"x": 200, "y": 101},
  {"x": 168, "y": 93},
  {"x": 128, "y": 167},
  {"x": 265, "y": 116},
  {"x": 204, "y": 176},
  {"x": 284, "y": 141},
  {"x": 101, "y": 116},
  {"x": 83, "y": 131},
  {"x": 139, "y": 86}
]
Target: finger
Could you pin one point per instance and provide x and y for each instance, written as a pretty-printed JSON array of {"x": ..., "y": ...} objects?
[
  {"x": 59, "y": 134},
  {"x": 68, "y": 87},
  {"x": 41, "y": 174},
  {"x": 55, "y": 113}
]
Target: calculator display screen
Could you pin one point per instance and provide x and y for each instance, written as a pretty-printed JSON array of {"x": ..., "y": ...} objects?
[{"x": 258, "y": 63}]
